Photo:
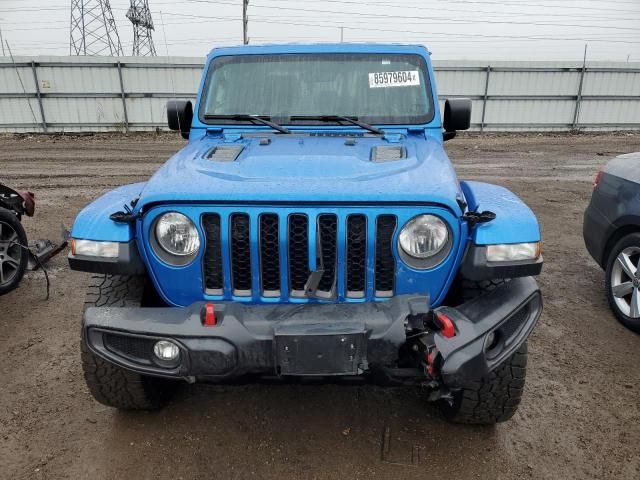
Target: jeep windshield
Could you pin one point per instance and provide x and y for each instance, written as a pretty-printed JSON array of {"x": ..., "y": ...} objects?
[{"x": 316, "y": 89}]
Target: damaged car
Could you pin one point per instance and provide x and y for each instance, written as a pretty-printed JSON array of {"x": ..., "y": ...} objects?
[
  {"x": 16, "y": 254},
  {"x": 313, "y": 228}
]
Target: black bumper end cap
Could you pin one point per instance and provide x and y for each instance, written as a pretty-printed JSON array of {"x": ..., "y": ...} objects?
[{"x": 512, "y": 310}]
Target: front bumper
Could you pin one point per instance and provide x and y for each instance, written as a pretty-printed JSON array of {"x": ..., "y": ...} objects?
[{"x": 313, "y": 339}]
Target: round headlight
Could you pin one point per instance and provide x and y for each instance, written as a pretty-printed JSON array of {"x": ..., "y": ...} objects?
[
  {"x": 177, "y": 235},
  {"x": 423, "y": 236}
]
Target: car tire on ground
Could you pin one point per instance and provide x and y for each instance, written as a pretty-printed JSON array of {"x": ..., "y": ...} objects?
[
  {"x": 623, "y": 284},
  {"x": 496, "y": 396},
  {"x": 13, "y": 256},
  {"x": 109, "y": 384}
]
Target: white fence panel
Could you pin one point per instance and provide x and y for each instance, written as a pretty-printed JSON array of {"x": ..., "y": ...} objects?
[{"x": 130, "y": 93}]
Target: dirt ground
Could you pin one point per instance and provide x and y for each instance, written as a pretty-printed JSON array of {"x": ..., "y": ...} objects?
[{"x": 580, "y": 415}]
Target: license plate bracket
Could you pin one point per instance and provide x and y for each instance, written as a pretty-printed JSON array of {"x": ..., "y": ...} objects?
[{"x": 318, "y": 350}]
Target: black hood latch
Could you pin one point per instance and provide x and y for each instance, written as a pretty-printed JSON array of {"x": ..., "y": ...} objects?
[{"x": 126, "y": 216}]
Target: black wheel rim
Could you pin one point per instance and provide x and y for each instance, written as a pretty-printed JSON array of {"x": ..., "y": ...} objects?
[{"x": 10, "y": 253}]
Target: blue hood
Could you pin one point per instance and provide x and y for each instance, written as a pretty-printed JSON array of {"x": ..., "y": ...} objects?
[{"x": 306, "y": 168}]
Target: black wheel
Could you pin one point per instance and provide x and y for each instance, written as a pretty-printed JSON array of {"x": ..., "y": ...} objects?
[
  {"x": 623, "y": 281},
  {"x": 495, "y": 397},
  {"x": 490, "y": 399},
  {"x": 109, "y": 384},
  {"x": 13, "y": 256}
]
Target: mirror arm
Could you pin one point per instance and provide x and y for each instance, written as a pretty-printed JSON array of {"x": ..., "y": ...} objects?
[{"x": 448, "y": 135}]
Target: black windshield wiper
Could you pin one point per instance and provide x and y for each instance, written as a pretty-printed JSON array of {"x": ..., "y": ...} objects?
[
  {"x": 340, "y": 118},
  {"x": 263, "y": 119}
]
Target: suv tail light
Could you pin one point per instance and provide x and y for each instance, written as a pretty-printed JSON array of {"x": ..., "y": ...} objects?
[{"x": 596, "y": 180}]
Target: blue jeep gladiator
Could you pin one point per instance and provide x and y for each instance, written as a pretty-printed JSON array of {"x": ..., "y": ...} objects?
[{"x": 312, "y": 228}]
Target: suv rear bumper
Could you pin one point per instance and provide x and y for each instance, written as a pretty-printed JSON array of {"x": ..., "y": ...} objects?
[{"x": 311, "y": 339}]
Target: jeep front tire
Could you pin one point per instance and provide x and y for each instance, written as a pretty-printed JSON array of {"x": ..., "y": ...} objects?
[
  {"x": 109, "y": 384},
  {"x": 491, "y": 399},
  {"x": 496, "y": 396}
]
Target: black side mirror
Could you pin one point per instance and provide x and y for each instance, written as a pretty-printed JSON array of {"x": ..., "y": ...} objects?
[
  {"x": 457, "y": 116},
  {"x": 179, "y": 116}
]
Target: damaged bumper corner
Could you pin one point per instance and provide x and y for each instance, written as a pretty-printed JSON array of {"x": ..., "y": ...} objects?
[{"x": 489, "y": 329}]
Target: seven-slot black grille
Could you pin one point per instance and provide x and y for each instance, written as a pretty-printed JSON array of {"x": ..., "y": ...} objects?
[
  {"x": 298, "y": 252},
  {"x": 212, "y": 254},
  {"x": 290, "y": 235},
  {"x": 269, "y": 255},
  {"x": 356, "y": 255},
  {"x": 385, "y": 263},
  {"x": 327, "y": 231},
  {"x": 240, "y": 254}
]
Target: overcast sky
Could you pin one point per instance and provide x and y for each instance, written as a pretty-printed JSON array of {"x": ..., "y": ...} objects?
[{"x": 452, "y": 29}]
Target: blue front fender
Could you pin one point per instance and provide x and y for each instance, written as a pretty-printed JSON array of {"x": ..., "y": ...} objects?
[
  {"x": 514, "y": 222},
  {"x": 93, "y": 222}
]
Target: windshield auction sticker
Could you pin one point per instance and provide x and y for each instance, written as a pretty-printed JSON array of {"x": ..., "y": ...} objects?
[{"x": 394, "y": 79}]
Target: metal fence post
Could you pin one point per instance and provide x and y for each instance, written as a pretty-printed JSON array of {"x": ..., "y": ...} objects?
[
  {"x": 124, "y": 99},
  {"x": 39, "y": 95},
  {"x": 576, "y": 112},
  {"x": 484, "y": 100}
]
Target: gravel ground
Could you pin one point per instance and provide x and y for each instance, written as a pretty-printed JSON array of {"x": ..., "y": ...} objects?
[{"x": 580, "y": 416}]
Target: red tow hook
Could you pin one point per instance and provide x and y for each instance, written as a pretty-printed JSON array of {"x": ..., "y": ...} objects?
[
  {"x": 446, "y": 325},
  {"x": 430, "y": 363},
  {"x": 208, "y": 315}
]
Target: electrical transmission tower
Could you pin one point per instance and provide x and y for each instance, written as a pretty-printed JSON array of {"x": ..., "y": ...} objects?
[
  {"x": 140, "y": 16},
  {"x": 93, "y": 29}
]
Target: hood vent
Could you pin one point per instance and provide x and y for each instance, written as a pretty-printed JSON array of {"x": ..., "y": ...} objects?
[
  {"x": 383, "y": 153},
  {"x": 224, "y": 153}
]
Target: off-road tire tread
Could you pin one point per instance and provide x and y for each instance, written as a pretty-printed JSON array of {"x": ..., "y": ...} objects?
[
  {"x": 493, "y": 398},
  {"x": 119, "y": 388},
  {"x": 109, "y": 384},
  {"x": 471, "y": 289},
  {"x": 106, "y": 290}
]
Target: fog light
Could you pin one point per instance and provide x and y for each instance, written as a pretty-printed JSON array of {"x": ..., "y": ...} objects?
[
  {"x": 166, "y": 350},
  {"x": 492, "y": 342}
]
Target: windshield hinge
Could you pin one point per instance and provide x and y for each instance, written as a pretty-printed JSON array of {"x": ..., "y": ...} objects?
[
  {"x": 393, "y": 137},
  {"x": 214, "y": 131},
  {"x": 416, "y": 131},
  {"x": 231, "y": 137}
]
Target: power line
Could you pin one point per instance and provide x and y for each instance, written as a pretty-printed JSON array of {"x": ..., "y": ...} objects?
[
  {"x": 470, "y": 35},
  {"x": 289, "y": 16},
  {"x": 231, "y": 19},
  {"x": 525, "y": 4},
  {"x": 414, "y": 17},
  {"x": 491, "y": 12}
]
